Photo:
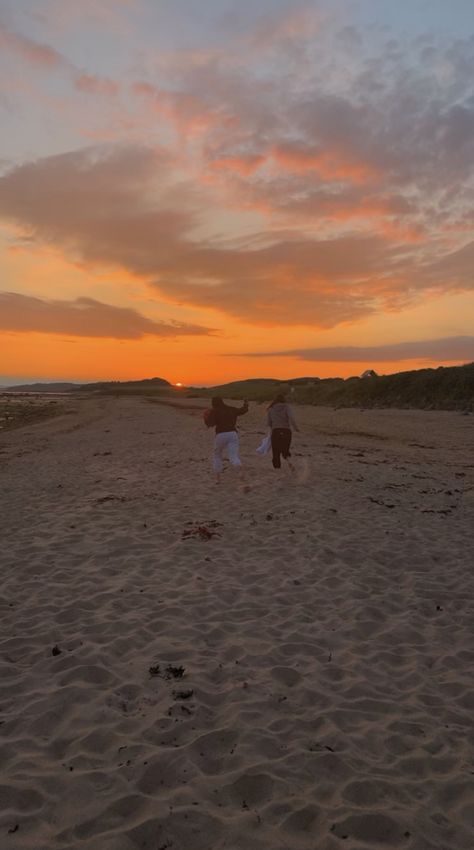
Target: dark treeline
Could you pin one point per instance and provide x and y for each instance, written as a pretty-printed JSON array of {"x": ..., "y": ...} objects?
[{"x": 445, "y": 388}]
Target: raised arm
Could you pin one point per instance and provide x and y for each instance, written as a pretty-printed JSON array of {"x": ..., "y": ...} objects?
[{"x": 243, "y": 409}]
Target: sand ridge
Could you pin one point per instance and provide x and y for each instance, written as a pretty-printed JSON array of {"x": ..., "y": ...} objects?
[{"x": 324, "y": 628}]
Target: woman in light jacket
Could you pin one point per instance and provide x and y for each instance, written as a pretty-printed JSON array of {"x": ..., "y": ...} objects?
[{"x": 281, "y": 421}]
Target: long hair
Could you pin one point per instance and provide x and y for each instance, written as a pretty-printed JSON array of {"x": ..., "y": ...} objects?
[
  {"x": 279, "y": 399},
  {"x": 217, "y": 402}
]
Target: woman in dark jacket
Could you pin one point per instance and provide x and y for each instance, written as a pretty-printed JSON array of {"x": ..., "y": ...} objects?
[{"x": 281, "y": 420}]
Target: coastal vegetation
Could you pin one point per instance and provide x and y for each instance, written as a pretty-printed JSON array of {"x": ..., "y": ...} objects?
[{"x": 444, "y": 388}]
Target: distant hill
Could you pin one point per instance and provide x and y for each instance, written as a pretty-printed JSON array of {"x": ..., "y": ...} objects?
[
  {"x": 445, "y": 388},
  {"x": 55, "y": 387},
  {"x": 144, "y": 385},
  {"x": 98, "y": 386},
  {"x": 254, "y": 388}
]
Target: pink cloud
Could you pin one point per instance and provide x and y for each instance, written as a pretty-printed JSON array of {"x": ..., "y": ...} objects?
[
  {"x": 91, "y": 84},
  {"x": 187, "y": 112},
  {"x": 48, "y": 59},
  {"x": 329, "y": 163},
  {"x": 243, "y": 165},
  {"x": 36, "y": 54}
]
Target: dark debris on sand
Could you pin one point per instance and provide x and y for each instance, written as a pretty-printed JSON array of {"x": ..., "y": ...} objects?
[
  {"x": 183, "y": 694},
  {"x": 102, "y": 499},
  {"x": 169, "y": 672},
  {"x": 202, "y": 532},
  {"x": 174, "y": 672}
]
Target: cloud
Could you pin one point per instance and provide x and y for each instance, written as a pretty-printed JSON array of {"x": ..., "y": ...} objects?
[
  {"x": 39, "y": 55},
  {"x": 92, "y": 84},
  {"x": 299, "y": 281},
  {"x": 107, "y": 14},
  {"x": 130, "y": 206},
  {"x": 351, "y": 182},
  {"x": 243, "y": 164},
  {"x": 99, "y": 206},
  {"x": 333, "y": 163},
  {"x": 45, "y": 58},
  {"x": 288, "y": 27},
  {"x": 445, "y": 349},
  {"x": 187, "y": 112},
  {"x": 456, "y": 266},
  {"x": 381, "y": 145},
  {"x": 84, "y": 317}
]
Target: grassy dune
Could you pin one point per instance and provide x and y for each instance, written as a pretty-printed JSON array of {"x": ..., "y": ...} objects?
[{"x": 445, "y": 388}]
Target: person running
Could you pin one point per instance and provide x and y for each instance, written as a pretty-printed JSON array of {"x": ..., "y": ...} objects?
[
  {"x": 226, "y": 440},
  {"x": 281, "y": 420}
]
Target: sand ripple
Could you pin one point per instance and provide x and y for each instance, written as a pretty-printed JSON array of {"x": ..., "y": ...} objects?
[{"x": 326, "y": 699}]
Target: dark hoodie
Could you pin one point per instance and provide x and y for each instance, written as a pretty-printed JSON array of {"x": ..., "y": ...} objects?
[{"x": 226, "y": 417}]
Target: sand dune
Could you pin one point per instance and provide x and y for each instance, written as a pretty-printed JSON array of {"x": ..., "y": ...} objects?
[{"x": 300, "y": 677}]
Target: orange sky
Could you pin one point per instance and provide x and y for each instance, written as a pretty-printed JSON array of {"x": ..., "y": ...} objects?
[{"x": 202, "y": 193}]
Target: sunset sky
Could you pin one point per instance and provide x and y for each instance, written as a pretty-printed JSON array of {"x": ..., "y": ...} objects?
[{"x": 208, "y": 191}]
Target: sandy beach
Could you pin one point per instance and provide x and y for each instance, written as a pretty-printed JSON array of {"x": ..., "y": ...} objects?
[{"x": 194, "y": 667}]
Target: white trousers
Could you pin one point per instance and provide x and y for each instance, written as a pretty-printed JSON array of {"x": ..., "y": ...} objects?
[{"x": 226, "y": 443}]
